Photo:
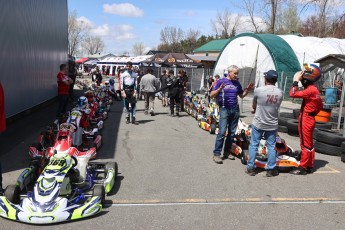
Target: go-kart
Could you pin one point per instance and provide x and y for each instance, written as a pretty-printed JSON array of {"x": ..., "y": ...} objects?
[
  {"x": 286, "y": 157},
  {"x": 71, "y": 138},
  {"x": 68, "y": 188}
]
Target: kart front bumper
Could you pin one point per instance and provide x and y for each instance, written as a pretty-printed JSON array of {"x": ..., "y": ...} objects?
[{"x": 27, "y": 212}]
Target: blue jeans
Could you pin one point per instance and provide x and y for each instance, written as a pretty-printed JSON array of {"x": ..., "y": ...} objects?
[
  {"x": 255, "y": 138},
  {"x": 228, "y": 120}
]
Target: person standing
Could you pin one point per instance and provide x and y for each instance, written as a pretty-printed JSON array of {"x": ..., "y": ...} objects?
[
  {"x": 64, "y": 82},
  {"x": 266, "y": 103},
  {"x": 228, "y": 89},
  {"x": 163, "y": 79},
  {"x": 139, "y": 94},
  {"x": 129, "y": 92},
  {"x": 2, "y": 125},
  {"x": 148, "y": 85},
  {"x": 72, "y": 73},
  {"x": 212, "y": 83},
  {"x": 175, "y": 86},
  {"x": 311, "y": 106},
  {"x": 184, "y": 79},
  {"x": 99, "y": 77}
]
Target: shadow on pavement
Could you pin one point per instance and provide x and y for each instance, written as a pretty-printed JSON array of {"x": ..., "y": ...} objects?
[{"x": 23, "y": 131}]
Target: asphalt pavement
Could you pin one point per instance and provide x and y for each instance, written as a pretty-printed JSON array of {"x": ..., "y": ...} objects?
[{"x": 167, "y": 179}]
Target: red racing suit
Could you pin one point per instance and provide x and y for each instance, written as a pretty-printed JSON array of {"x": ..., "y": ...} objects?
[{"x": 311, "y": 106}]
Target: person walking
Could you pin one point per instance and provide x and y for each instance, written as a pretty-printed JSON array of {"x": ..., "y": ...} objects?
[
  {"x": 148, "y": 85},
  {"x": 266, "y": 103},
  {"x": 310, "y": 107},
  {"x": 129, "y": 92},
  {"x": 227, "y": 90},
  {"x": 64, "y": 82},
  {"x": 175, "y": 86}
]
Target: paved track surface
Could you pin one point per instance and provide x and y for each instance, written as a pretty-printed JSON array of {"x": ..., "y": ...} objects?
[{"x": 167, "y": 179}]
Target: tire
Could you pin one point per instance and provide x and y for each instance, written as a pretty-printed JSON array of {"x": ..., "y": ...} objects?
[
  {"x": 213, "y": 129},
  {"x": 12, "y": 193},
  {"x": 286, "y": 115},
  {"x": 109, "y": 165},
  {"x": 292, "y": 127},
  {"x": 283, "y": 120},
  {"x": 328, "y": 137},
  {"x": 37, "y": 145},
  {"x": 295, "y": 113},
  {"x": 323, "y": 125},
  {"x": 342, "y": 157},
  {"x": 98, "y": 190},
  {"x": 327, "y": 149},
  {"x": 282, "y": 129},
  {"x": 342, "y": 146},
  {"x": 244, "y": 157}
]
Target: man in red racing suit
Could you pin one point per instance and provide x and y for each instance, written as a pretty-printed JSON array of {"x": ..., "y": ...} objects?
[{"x": 311, "y": 106}]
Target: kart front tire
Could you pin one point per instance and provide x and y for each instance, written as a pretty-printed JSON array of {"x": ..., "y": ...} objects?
[
  {"x": 98, "y": 190},
  {"x": 12, "y": 193},
  {"x": 110, "y": 165}
]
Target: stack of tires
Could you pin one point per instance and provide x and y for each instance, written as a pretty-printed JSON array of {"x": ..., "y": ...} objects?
[
  {"x": 290, "y": 121},
  {"x": 329, "y": 142},
  {"x": 282, "y": 121}
]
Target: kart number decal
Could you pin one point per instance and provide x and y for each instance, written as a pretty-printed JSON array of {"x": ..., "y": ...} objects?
[{"x": 59, "y": 162}]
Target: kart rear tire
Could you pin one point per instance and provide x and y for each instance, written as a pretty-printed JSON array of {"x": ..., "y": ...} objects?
[
  {"x": 213, "y": 129},
  {"x": 98, "y": 190},
  {"x": 286, "y": 115},
  {"x": 12, "y": 193},
  {"x": 244, "y": 157},
  {"x": 37, "y": 145}
]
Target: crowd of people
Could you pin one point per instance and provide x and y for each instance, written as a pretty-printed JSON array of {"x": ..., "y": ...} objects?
[
  {"x": 266, "y": 103},
  {"x": 225, "y": 91}
]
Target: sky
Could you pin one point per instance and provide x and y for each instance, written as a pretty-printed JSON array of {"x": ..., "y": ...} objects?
[{"x": 121, "y": 24}]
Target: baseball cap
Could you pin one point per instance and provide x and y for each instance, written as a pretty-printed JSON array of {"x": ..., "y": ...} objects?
[{"x": 271, "y": 75}]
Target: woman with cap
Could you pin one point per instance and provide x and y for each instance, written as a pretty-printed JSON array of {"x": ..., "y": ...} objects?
[
  {"x": 311, "y": 106},
  {"x": 266, "y": 103}
]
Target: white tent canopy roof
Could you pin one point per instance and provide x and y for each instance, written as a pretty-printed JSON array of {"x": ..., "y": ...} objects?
[{"x": 283, "y": 53}]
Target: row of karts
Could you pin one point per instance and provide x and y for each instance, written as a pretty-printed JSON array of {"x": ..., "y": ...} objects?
[
  {"x": 61, "y": 182},
  {"x": 207, "y": 115}
]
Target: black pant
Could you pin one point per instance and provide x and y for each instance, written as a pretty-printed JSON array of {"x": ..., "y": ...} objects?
[{"x": 174, "y": 100}]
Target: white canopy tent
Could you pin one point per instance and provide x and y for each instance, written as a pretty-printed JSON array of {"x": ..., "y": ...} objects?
[{"x": 285, "y": 53}]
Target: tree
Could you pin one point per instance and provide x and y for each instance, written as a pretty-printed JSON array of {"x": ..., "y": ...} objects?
[
  {"x": 93, "y": 44},
  {"x": 171, "y": 37},
  {"x": 225, "y": 24},
  {"x": 250, "y": 5},
  {"x": 77, "y": 31},
  {"x": 138, "y": 49}
]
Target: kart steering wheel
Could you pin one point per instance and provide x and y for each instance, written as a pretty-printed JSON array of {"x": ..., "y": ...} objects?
[{"x": 75, "y": 161}]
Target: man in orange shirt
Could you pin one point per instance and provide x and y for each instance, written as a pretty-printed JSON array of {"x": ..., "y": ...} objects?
[{"x": 64, "y": 82}]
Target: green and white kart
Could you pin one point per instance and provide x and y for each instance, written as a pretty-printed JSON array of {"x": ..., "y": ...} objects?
[{"x": 68, "y": 188}]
